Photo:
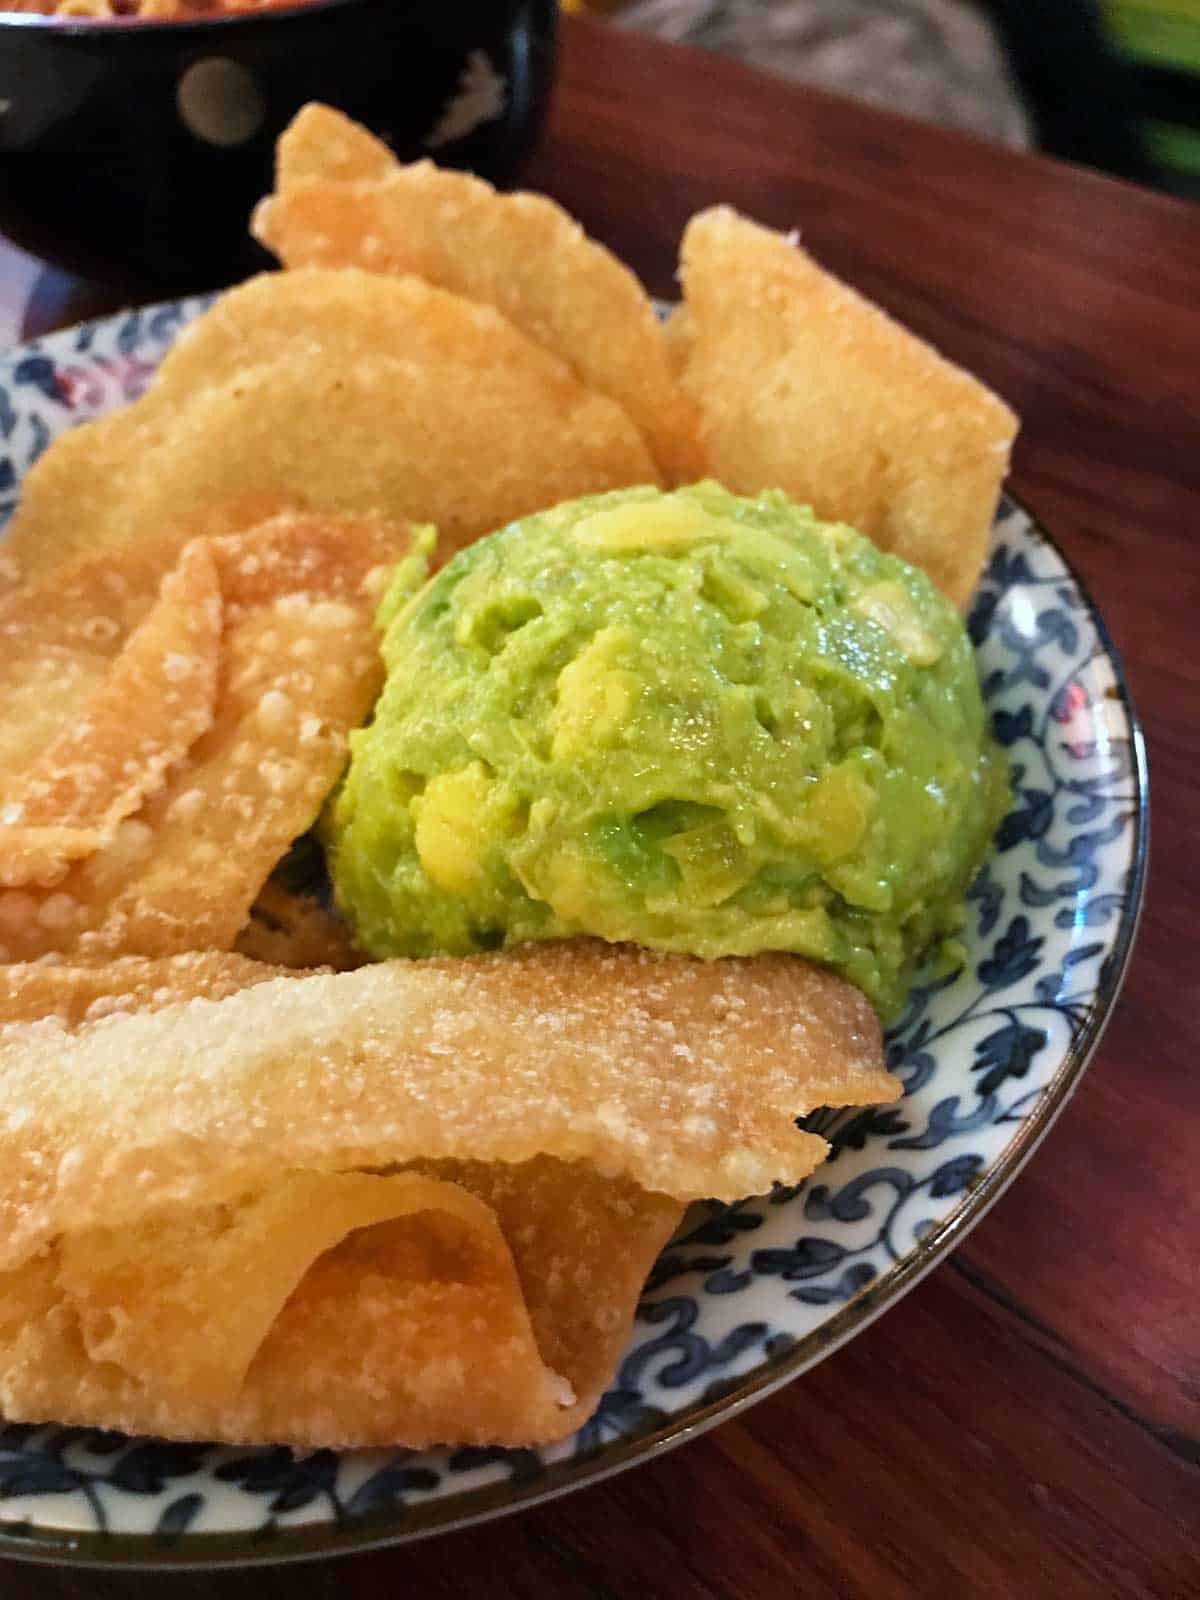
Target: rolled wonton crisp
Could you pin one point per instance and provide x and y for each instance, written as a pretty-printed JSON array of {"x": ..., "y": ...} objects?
[
  {"x": 298, "y": 668},
  {"x": 404, "y": 1205},
  {"x": 519, "y": 253},
  {"x": 144, "y": 715}
]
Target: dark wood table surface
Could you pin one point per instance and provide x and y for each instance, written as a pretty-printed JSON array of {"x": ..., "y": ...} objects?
[{"x": 1027, "y": 1421}]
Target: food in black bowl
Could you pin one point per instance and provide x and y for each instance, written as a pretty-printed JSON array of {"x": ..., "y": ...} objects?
[{"x": 141, "y": 132}]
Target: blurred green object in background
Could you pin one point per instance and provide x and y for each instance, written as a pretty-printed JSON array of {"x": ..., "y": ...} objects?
[
  {"x": 1163, "y": 31},
  {"x": 1160, "y": 41},
  {"x": 1113, "y": 84}
]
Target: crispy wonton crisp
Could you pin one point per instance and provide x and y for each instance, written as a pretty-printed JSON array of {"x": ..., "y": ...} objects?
[
  {"x": 805, "y": 386},
  {"x": 35, "y": 991},
  {"x": 519, "y": 253},
  {"x": 338, "y": 393},
  {"x": 299, "y": 668},
  {"x": 404, "y": 1205},
  {"x": 321, "y": 142},
  {"x": 146, "y": 712},
  {"x": 685, "y": 1076},
  {"x": 483, "y": 1305}
]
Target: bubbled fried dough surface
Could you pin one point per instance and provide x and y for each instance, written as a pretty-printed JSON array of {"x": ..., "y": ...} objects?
[
  {"x": 36, "y": 991},
  {"x": 684, "y": 1076},
  {"x": 490, "y": 1310},
  {"x": 144, "y": 714},
  {"x": 298, "y": 668},
  {"x": 582, "y": 1245},
  {"x": 805, "y": 386},
  {"x": 59, "y": 637},
  {"x": 334, "y": 392},
  {"x": 322, "y": 142},
  {"x": 519, "y": 253}
]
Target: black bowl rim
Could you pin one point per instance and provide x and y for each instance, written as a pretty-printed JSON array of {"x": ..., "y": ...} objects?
[
  {"x": 156, "y": 27},
  {"x": 386, "y": 1528}
]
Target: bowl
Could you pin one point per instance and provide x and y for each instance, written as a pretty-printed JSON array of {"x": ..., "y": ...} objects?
[
  {"x": 747, "y": 1296},
  {"x": 144, "y": 145}
]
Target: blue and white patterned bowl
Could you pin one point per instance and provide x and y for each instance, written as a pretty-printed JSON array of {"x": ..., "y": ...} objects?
[{"x": 747, "y": 1296}]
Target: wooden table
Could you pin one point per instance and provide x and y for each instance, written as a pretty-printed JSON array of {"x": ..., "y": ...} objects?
[{"x": 1026, "y": 1422}]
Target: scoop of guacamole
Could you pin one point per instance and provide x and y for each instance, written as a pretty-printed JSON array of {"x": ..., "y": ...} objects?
[{"x": 697, "y": 722}]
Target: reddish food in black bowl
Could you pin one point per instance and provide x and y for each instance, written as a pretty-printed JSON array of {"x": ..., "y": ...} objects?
[{"x": 142, "y": 132}]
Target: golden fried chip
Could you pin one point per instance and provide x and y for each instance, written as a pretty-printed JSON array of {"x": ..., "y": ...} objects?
[
  {"x": 34, "y": 991},
  {"x": 149, "y": 709},
  {"x": 294, "y": 930},
  {"x": 320, "y": 142},
  {"x": 684, "y": 1076},
  {"x": 59, "y": 638},
  {"x": 42, "y": 856},
  {"x": 230, "y": 1271},
  {"x": 101, "y": 589},
  {"x": 78, "y": 509},
  {"x": 59, "y": 635},
  {"x": 299, "y": 669},
  {"x": 335, "y": 393},
  {"x": 475, "y": 1305},
  {"x": 42, "y": 686},
  {"x": 63, "y": 625},
  {"x": 583, "y": 1246},
  {"x": 807, "y": 387},
  {"x": 519, "y": 253},
  {"x": 186, "y": 1305}
]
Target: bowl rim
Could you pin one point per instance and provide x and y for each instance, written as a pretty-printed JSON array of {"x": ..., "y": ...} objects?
[{"x": 218, "y": 1551}]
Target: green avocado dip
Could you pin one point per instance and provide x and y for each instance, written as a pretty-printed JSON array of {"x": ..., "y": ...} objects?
[{"x": 697, "y": 722}]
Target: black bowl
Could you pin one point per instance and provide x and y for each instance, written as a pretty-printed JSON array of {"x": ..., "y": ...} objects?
[{"x": 144, "y": 145}]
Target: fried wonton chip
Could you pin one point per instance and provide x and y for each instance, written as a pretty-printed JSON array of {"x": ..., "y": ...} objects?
[
  {"x": 685, "y": 1076},
  {"x": 483, "y": 1305},
  {"x": 294, "y": 930},
  {"x": 320, "y": 142},
  {"x": 59, "y": 636},
  {"x": 583, "y": 1245},
  {"x": 807, "y": 387},
  {"x": 236, "y": 1268},
  {"x": 519, "y": 253},
  {"x": 143, "y": 716},
  {"x": 405, "y": 1205},
  {"x": 334, "y": 393},
  {"x": 299, "y": 668},
  {"x": 34, "y": 991},
  {"x": 43, "y": 685}
]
